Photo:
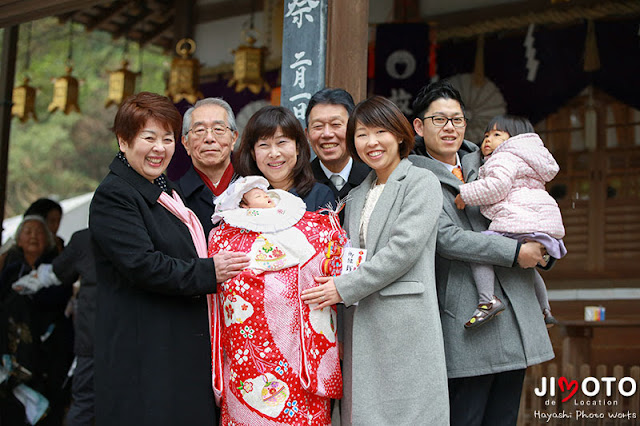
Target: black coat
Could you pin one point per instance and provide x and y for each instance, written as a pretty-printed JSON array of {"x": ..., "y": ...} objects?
[
  {"x": 198, "y": 197},
  {"x": 359, "y": 171},
  {"x": 152, "y": 347},
  {"x": 76, "y": 262},
  {"x": 319, "y": 196}
]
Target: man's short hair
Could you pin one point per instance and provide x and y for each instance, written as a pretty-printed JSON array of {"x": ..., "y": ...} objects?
[
  {"x": 331, "y": 97},
  {"x": 186, "y": 121},
  {"x": 432, "y": 92}
]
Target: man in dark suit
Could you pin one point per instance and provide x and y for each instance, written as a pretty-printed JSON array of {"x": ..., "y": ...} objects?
[
  {"x": 208, "y": 134},
  {"x": 327, "y": 116}
]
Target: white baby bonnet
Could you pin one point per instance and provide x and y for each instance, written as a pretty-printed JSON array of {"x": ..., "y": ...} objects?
[{"x": 288, "y": 211}]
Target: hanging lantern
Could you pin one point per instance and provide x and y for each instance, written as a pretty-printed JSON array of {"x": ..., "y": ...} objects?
[
  {"x": 65, "y": 93},
  {"x": 24, "y": 97},
  {"x": 185, "y": 74},
  {"x": 248, "y": 67},
  {"x": 24, "y": 102},
  {"x": 122, "y": 84}
]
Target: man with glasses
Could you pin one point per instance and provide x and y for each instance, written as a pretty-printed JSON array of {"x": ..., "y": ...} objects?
[
  {"x": 208, "y": 134},
  {"x": 486, "y": 365},
  {"x": 327, "y": 116}
]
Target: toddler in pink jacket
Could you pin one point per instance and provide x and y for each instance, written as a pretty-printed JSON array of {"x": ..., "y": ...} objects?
[{"x": 510, "y": 191}]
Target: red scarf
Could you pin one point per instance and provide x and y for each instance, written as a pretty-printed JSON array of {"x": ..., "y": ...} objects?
[{"x": 225, "y": 180}]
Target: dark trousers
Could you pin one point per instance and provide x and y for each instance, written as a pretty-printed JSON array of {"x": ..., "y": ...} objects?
[
  {"x": 82, "y": 410},
  {"x": 489, "y": 400}
]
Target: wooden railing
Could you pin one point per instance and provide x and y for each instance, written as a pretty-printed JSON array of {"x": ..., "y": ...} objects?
[{"x": 579, "y": 409}]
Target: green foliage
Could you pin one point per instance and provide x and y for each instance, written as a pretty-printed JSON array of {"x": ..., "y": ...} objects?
[{"x": 67, "y": 155}]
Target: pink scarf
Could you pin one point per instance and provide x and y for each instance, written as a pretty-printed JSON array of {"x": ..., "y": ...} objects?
[{"x": 177, "y": 208}]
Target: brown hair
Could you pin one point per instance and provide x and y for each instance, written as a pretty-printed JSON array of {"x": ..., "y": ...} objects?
[
  {"x": 136, "y": 110},
  {"x": 380, "y": 112},
  {"x": 264, "y": 124}
]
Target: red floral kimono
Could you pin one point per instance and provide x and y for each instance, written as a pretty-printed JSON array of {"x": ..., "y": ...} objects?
[{"x": 280, "y": 361}]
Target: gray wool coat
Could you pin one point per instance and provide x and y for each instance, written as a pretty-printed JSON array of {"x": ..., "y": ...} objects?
[
  {"x": 518, "y": 337},
  {"x": 394, "y": 362}
]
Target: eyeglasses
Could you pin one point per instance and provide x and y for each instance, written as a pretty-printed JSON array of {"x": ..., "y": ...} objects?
[
  {"x": 441, "y": 121},
  {"x": 202, "y": 131}
]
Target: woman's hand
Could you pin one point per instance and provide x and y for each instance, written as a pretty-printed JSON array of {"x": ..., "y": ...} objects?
[
  {"x": 460, "y": 204},
  {"x": 228, "y": 264},
  {"x": 325, "y": 294}
]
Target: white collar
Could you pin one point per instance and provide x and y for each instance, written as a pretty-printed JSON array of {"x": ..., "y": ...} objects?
[
  {"x": 447, "y": 165},
  {"x": 344, "y": 173}
]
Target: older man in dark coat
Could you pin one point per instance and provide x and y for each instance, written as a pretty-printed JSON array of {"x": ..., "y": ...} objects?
[{"x": 211, "y": 170}]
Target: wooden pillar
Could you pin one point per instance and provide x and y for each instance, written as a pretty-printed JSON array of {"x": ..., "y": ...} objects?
[
  {"x": 347, "y": 40},
  {"x": 406, "y": 10},
  {"x": 7, "y": 75}
]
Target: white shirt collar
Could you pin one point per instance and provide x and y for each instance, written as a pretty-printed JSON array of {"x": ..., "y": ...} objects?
[
  {"x": 344, "y": 173},
  {"x": 447, "y": 165}
]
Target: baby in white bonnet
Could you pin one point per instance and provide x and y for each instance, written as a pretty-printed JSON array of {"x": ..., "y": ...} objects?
[{"x": 249, "y": 204}]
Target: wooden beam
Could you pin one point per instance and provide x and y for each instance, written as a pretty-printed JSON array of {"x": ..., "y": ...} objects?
[
  {"x": 7, "y": 75},
  {"x": 107, "y": 14},
  {"x": 225, "y": 9},
  {"x": 133, "y": 21},
  {"x": 506, "y": 10},
  {"x": 152, "y": 36},
  {"x": 346, "y": 64},
  {"x": 19, "y": 11}
]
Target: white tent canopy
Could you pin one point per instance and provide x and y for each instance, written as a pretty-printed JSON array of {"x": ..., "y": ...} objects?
[{"x": 75, "y": 216}]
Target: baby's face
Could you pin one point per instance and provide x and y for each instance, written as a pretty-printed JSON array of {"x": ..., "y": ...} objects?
[
  {"x": 258, "y": 199},
  {"x": 492, "y": 140}
]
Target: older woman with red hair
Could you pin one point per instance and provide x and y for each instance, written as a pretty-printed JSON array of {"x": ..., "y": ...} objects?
[{"x": 152, "y": 362}]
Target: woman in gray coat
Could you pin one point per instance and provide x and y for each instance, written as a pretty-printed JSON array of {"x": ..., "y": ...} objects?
[{"x": 394, "y": 362}]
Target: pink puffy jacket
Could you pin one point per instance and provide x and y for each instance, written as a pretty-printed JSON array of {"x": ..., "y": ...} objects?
[{"x": 510, "y": 188}]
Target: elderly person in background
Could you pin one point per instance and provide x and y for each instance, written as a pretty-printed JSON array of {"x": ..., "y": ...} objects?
[
  {"x": 73, "y": 264},
  {"x": 32, "y": 327},
  {"x": 327, "y": 116},
  {"x": 51, "y": 211},
  {"x": 208, "y": 134},
  {"x": 152, "y": 346},
  {"x": 274, "y": 146},
  {"x": 394, "y": 363}
]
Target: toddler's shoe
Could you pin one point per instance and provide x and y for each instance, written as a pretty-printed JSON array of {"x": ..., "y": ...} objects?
[
  {"x": 549, "y": 319},
  {"x": 484, "y": 312}
]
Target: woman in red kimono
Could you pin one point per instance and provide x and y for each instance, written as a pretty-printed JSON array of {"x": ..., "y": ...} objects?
[{"x": 280, "y": 362}]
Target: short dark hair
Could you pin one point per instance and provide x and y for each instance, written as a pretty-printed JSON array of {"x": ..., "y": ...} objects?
[
  {"x": 511, "y": 124},
  {"x": 432, "y": 92},
  {"x": 264, "y": 124},
  {"x": 331, "y": 97},
  {"x": 136, "y": 110},
  {"x": 380, "y": 112},
  {"x": 41, "y": 207}
]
